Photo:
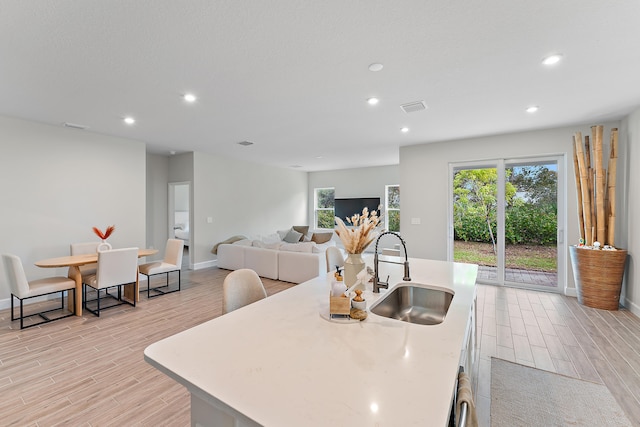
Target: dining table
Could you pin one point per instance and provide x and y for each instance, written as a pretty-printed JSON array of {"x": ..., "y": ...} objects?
[{"x": 74, "y": 262}]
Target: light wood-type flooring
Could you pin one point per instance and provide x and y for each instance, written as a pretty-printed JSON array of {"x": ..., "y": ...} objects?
[
  {"x": 555, "y": 333},
  {"x": 90, "y": 371}
]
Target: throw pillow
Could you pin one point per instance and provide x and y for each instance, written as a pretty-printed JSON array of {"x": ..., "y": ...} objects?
[
  {"x": 283, "y": 233},
  {"x": 258, "y": 244},
  {"x": 292, "y": 236},
  {"x": 272, "y": 238},
  {"x": 320, "y": 238},
  {"x": 302, "y": 229}
]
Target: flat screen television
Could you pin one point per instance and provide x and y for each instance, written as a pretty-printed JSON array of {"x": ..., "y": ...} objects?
[{"x": 348, "y": 207}]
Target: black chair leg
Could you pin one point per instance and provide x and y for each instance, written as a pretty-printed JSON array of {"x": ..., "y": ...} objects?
[{"x": 43, "y": 314}]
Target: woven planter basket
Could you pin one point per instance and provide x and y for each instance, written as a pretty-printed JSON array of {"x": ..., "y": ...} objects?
[{"x": 598, "y": 276}]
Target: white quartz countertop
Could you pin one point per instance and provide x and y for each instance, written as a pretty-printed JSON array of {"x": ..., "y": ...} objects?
[{"x": 280, "y": 363}]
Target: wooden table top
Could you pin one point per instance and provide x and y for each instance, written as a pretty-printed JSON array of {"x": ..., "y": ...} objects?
[{"x": 76, "y": 260}]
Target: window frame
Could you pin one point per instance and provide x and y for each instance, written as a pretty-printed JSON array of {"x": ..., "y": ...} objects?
[
  {"x": 387, "y": 208},
  {"x": 316, "y": 209}
]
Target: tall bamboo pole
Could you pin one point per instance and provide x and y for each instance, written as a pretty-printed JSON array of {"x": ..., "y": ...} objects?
[
  {"x": 590, "y": 185},
  {"x": 611, "y": 187},
  {"x": 584, "y": 188},
  {"x": 600, "y": 184},
  {"x": 576, "y": 169}
]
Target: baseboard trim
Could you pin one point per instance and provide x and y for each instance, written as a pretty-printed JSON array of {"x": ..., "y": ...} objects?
[
  {"x": 206, "y": 264},
  {"x": 632, "y": 307}
]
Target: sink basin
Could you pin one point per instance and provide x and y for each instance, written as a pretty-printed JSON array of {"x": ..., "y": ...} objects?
[{"x": 414, "y": 303}]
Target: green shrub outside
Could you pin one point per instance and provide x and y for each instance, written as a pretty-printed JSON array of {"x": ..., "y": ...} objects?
[{"x": 525, "y": 224}]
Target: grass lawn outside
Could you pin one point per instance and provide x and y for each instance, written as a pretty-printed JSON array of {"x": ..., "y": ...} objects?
[{"x": 523, "y": 257}]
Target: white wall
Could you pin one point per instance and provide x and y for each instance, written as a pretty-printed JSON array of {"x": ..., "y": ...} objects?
[
  {"x": 424, "y": 173},
  {"x": 58, "y": 183},
  {"x": 242, "y": 198},
  {"x": 156, "y": 201},
  {"x": 631, "y": 230},
  {"x": 359, "y": 182}
]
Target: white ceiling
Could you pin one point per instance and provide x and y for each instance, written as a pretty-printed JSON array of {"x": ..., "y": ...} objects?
[{"x": 292, "y": 75}]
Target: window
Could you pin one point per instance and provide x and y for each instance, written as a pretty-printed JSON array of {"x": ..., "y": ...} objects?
[
  {"x": 324, "y": 204},
  {"x": 392, "y": 205}
]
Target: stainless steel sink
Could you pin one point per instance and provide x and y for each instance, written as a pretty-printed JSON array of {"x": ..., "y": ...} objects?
[{"x": 414, "y": 303}]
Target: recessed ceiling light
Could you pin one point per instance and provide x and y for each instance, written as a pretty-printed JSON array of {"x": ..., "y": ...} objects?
[
  {"x": 189, "y": 97},
  {"x": 373, "y": 101},
  {"x": 532, "y": 109},
  {"x": 376, "y": 66},
  {"x": 172, "y": 152},
  {"x": 404, "y": 129},
  {"x": 295, "y": 166},
  {"x": 245, "y": 143},
  {"x": 552, "y": 59},
  {"x": 129, "y": 120}
]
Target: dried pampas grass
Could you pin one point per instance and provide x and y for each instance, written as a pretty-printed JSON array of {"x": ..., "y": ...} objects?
[{"x": 356, "y": 239}]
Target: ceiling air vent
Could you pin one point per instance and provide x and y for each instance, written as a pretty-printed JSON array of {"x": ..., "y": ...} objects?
[
  {"x": 75, "y": 126},
  {"x": 245, "y": 143},
  {"x": 413, "y": 106}
]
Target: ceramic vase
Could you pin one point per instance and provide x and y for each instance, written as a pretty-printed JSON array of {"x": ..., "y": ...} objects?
[
  {"x": 103, "y": 246},
  {"x": 353, "y": 265}
]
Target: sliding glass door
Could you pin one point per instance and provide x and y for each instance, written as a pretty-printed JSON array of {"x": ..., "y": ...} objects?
[{"x": 504, "y": 217}]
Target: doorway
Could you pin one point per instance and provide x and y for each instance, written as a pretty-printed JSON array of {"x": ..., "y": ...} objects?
[
  {"x": 505, "y": 217},
  {"x": 180, "y": 217}
]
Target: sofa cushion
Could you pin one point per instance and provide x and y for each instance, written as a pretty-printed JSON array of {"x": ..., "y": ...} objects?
[
  {"x": 322, "y": 237},
  {"x": 230, "y": 257},
  {"x": 262, "y": 244},
  {"x": 296, "y": 267},
  {"x": 298, "y": 247},
  {"x": 292, "y": 236},
  {"x": 271, "y": 238},
  {"x": 263, "y": 261}
]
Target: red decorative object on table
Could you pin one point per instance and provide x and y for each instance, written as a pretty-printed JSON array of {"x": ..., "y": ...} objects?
[{"x": 107, "y": 232}]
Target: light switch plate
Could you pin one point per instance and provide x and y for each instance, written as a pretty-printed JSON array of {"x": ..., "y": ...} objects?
[
  {"x": 415, "y": 221},
  {"x": 209, "y": 220}
]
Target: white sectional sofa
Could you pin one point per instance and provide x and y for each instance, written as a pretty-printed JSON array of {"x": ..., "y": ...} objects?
[{"x": 289, "y": 262}]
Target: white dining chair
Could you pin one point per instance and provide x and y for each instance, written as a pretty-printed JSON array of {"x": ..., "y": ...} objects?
[
  {"x": 85, "y": 248},
  {"x": 334, "y": 258},
  {"x": 23, "y": 289},
  {"x": 241, "y": 287},
  {"x": 172, "y": 262},
  {"x": 116, "y": 268}
]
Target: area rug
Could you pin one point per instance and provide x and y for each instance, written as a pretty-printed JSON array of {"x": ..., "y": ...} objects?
[{"x": 525, "y": 396}]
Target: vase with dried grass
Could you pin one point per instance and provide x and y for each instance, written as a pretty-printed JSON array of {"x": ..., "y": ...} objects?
[
  {"x": 598, "y": 266},
  {"x": 104, "y": 246},
  {"x": 355, "y": 239}
]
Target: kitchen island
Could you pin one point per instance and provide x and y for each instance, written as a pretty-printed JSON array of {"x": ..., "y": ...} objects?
[{"x": 280, "y": 362}]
